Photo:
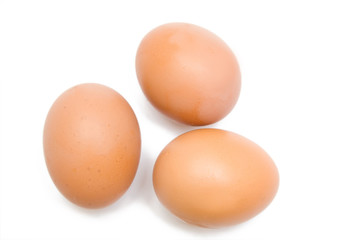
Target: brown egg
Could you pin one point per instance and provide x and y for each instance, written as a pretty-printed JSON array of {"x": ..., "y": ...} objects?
[
  {"x": 213, "y": 178},
  {"x": 188, "y": 73},
  {"x": 91, "y": 145}
]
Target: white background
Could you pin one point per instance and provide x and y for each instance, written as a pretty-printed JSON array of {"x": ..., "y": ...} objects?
[{"x": 300, "y": 101}]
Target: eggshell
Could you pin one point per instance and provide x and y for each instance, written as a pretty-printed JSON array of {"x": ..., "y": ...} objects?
[
  {"x": 188, "y": 73},
  {"x": 91, "y": 145},
  {"x": 214, "y": 178}
]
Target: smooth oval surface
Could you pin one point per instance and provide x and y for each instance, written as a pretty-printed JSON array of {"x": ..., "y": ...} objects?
[
  {"x": 214, "y": 178},
  {"x": 188, "y": 73},
  {"x": 91, "y": 145}
]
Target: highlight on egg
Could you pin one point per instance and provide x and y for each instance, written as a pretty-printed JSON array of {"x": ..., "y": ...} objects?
[
  {"x": 91, "y": 145},
  {"x": 214, "y": 178},
  {"x": 188, "y": 73}
]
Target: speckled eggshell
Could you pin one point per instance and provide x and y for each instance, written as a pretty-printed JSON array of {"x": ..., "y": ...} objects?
[
  {"x": 214, "y": 178},
  {"x": 91, "y": 145}
]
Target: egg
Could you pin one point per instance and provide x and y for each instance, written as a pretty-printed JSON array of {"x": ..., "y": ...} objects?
[
  {"x": 188, "y": 73},
  {"x": 214, "y": 178},
  {"x": 91, "y": 145}
]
